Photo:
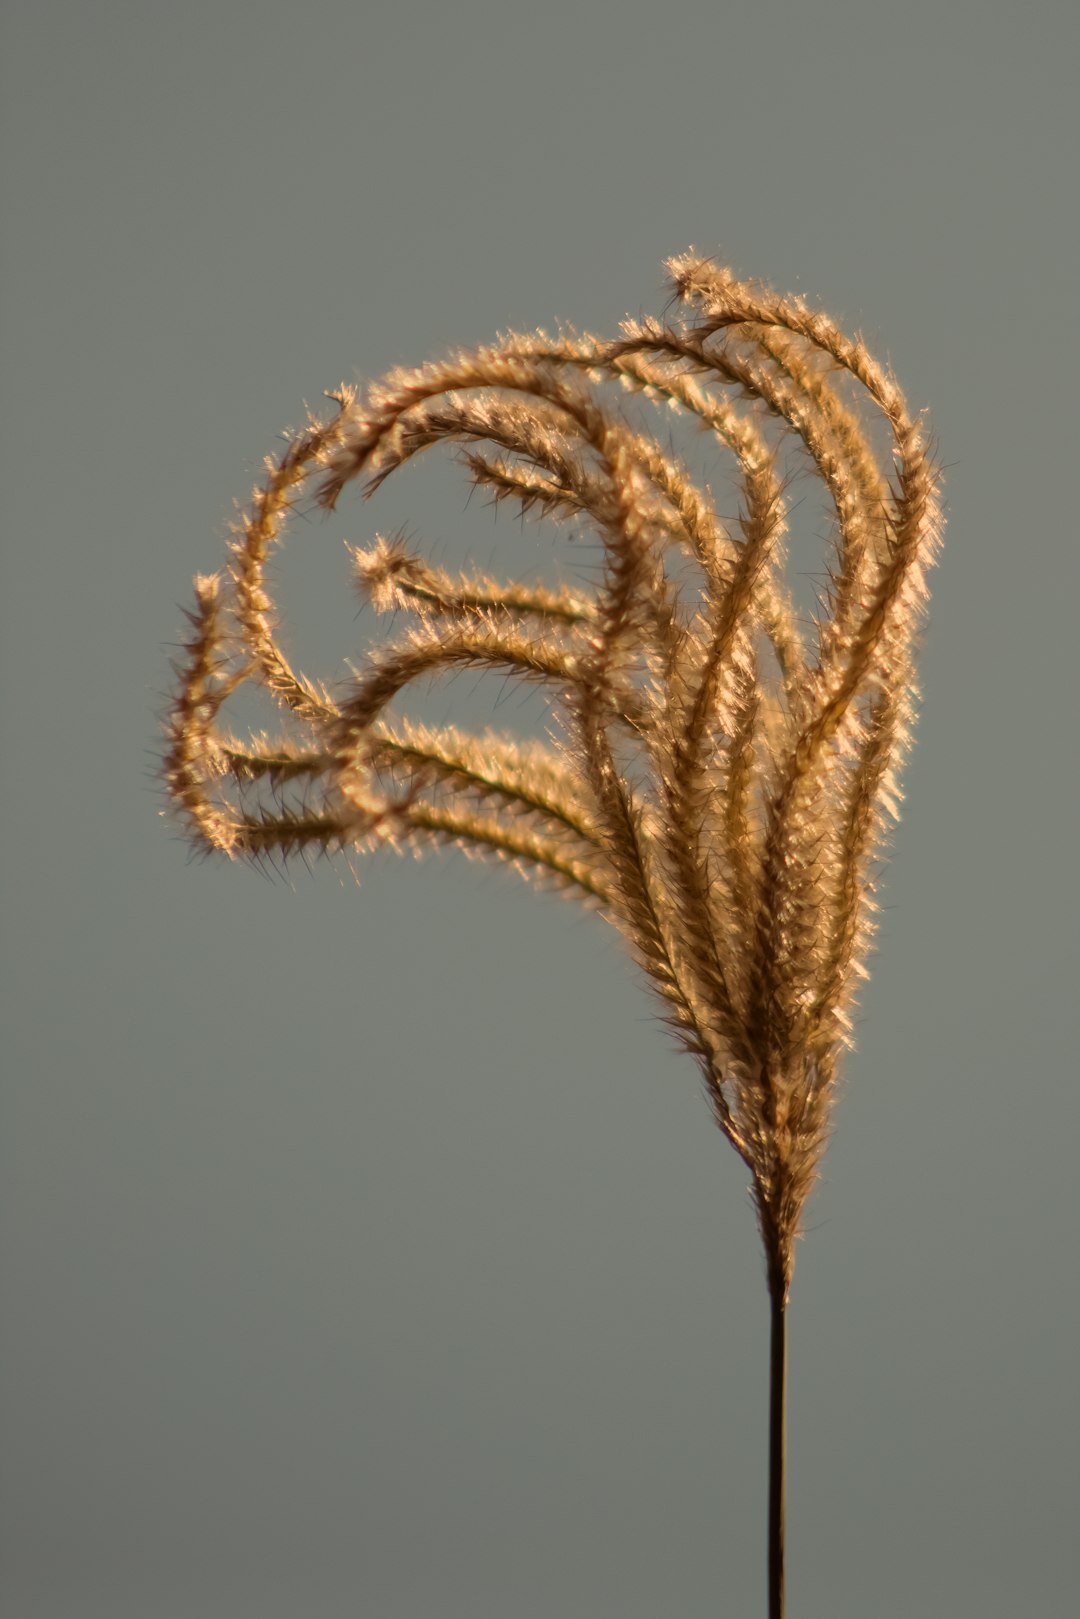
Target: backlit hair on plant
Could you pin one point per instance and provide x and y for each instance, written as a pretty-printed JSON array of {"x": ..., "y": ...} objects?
[{"x": 724, "y": 772}]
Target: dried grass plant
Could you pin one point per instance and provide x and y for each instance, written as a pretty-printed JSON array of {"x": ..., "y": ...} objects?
[{"x": 724, "y": 768}]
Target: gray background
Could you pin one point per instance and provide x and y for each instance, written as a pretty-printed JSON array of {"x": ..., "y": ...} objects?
[{"x": 371, "y": 1252}]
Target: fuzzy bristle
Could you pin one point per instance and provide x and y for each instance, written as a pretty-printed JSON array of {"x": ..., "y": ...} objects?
[{"x": 725, "y": 774}]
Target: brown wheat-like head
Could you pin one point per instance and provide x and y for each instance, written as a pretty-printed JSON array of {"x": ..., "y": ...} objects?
[{"x": 723, "y": 773}]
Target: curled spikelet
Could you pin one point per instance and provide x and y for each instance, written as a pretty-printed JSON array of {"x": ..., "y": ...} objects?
[{"x": 720, "y": 774}]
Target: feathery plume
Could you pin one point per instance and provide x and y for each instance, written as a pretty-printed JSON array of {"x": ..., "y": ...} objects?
[{"x": 723, "y": 775}]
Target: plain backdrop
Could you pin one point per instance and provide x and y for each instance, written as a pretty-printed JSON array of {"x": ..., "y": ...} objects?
[{"x": 369, "y": 1251}]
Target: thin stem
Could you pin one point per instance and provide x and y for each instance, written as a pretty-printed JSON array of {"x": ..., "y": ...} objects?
[{"x": 777, "y": 1447}]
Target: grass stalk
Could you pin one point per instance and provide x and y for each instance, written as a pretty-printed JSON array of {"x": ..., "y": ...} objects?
[
  {"x": 720, "y": 772},
  {"x": 778, "y": 1302}
]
